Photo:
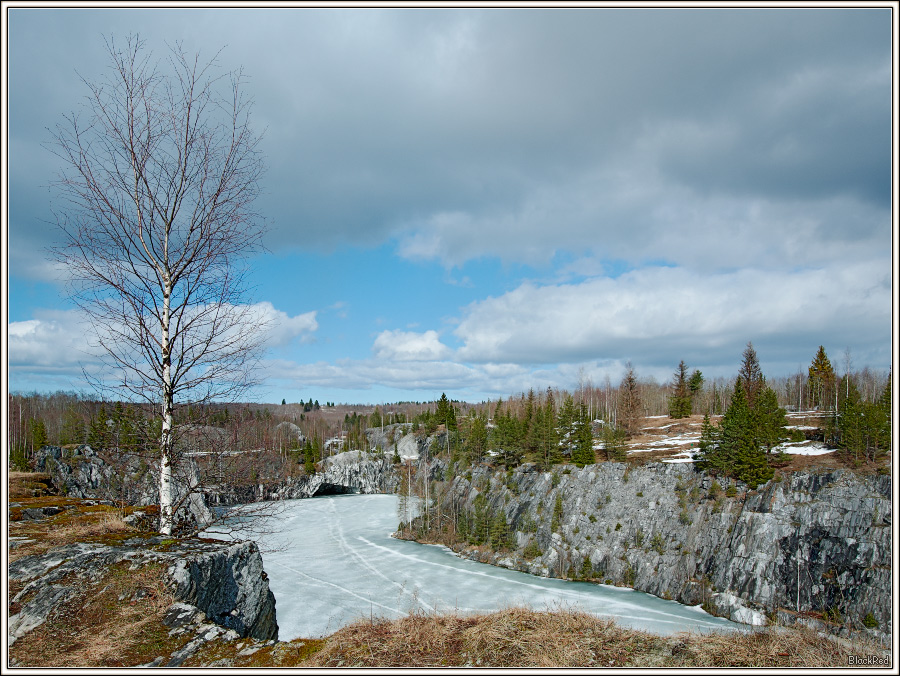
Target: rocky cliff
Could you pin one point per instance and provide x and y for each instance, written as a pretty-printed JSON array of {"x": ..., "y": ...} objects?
[
  {"x": 807, "y": 546},
  {"x": 348, "y": 472},
  {"x": 226, "y": 582},
  {"x": 82, "y": 472}
]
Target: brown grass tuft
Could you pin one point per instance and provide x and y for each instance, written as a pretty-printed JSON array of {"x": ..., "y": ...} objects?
[
  {"x": 29, "y": 485},
  {"x": 522, "y": 638}
]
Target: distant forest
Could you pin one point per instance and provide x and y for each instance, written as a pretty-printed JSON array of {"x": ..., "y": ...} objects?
[{"x": 541, "y": 425}]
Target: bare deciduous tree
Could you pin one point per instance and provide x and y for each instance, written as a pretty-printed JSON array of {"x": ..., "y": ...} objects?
[{"x": 159, "y": 182}]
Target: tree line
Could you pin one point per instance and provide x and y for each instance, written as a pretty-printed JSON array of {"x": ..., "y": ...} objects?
[{"x": 580, "y": 426}]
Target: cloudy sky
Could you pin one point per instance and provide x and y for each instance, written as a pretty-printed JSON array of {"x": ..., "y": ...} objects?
[{"x": 479, "y": 201}]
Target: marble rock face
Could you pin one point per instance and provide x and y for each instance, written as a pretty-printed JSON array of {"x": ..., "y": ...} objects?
[{"x": 812, "y": 542}]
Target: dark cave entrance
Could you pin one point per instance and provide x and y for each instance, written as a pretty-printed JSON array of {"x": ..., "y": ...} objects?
[{"x": 334, "y": 489}]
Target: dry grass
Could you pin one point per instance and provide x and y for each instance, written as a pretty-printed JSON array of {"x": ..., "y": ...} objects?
[
  {"x": 76, "y": 523},
  {"x": 29, "y": 485},
  {"x": 522, "y": 638},
  {"x": 102, "y": 524},
  {"x": 115, "y": 622}
]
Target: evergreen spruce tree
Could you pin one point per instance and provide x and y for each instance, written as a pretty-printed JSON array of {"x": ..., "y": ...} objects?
[
  {"x": 476, "y": 442},
  {"x": 735, "y": 448},
  {"x": 695, "y": 383},
  {"x": 583, "y": 453},
  {"x": 73, "y": 429},
  {"x": 99, "y": 437},
  {"x": 309, "y": 458},
  {"x": 550, "y": 440},
  {"x": 38, "y": 434},
  {"x": 680, "y": 401},
  {"x": 567, "y": 416},
  {"x": 630, "y": 405},
  {"x": 863, "y": 429},
  {"x": 769, "y": 419},
  {"x": 614, "y": 443},
  {"x": 751, "y": 375},
  {"x": 821, "y": 382},
  {"x": 443, "y": 412}
]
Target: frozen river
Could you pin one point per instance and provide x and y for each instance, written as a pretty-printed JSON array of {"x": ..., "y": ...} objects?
[{"x": 335, "y": 562}]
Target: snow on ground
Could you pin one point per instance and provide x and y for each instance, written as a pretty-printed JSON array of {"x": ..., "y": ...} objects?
[
  {"x": 688, "y": 456},
  {"x": 680, "y": 440},
  {"x": 674, "y": 424},
  {"x": 803, "y": 448}
]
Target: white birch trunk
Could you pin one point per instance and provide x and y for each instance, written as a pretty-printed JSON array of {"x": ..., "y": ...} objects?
[{"x": 166, "y": 492}]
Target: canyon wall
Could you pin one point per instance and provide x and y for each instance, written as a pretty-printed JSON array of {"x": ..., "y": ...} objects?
[{"x": 812, "y": 545}]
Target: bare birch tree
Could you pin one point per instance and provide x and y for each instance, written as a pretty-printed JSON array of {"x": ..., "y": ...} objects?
[{"x": 157, "y": 222}]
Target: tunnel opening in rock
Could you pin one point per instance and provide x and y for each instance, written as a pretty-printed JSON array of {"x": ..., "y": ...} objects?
[{"x": 335, "y": 489}]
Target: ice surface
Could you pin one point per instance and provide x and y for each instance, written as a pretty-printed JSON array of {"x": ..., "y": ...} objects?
[{"x": 334, "y": 562}]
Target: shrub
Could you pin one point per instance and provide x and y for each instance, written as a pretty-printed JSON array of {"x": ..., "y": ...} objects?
[
  {"x": 870, "y": 622},
  {"x": 639, "y": 537},
  {"x": 731, "y": 491},
  {"x": 557, "y": 512},
  {"x": 587, "y": 569},
  {"x": 532, "y": 550}
]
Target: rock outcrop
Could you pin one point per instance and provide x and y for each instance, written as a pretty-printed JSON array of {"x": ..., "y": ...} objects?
[
  {"x": 348, "y": 472},
  {"x": 400, "y": 439},
  {"x": 808, "y": 546},
  {"x": 82, "y": 472},
  {"x": 225, "y": 582}
]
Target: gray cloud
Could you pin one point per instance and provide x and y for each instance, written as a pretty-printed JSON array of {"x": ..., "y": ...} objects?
[{"x": 381, "y": 121}]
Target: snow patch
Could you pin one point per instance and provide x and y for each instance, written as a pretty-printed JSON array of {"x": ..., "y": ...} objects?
[{"x": 803, "y": 448}]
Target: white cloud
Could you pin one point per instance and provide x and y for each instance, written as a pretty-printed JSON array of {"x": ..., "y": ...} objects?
[
  {"x": 409, "y": 346},
  {"x": 59, "y": 343},
  {"x": 652, "y": 315},
  {"x": 282, "y": 329},
  {"x": 54, "y": 338}
]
